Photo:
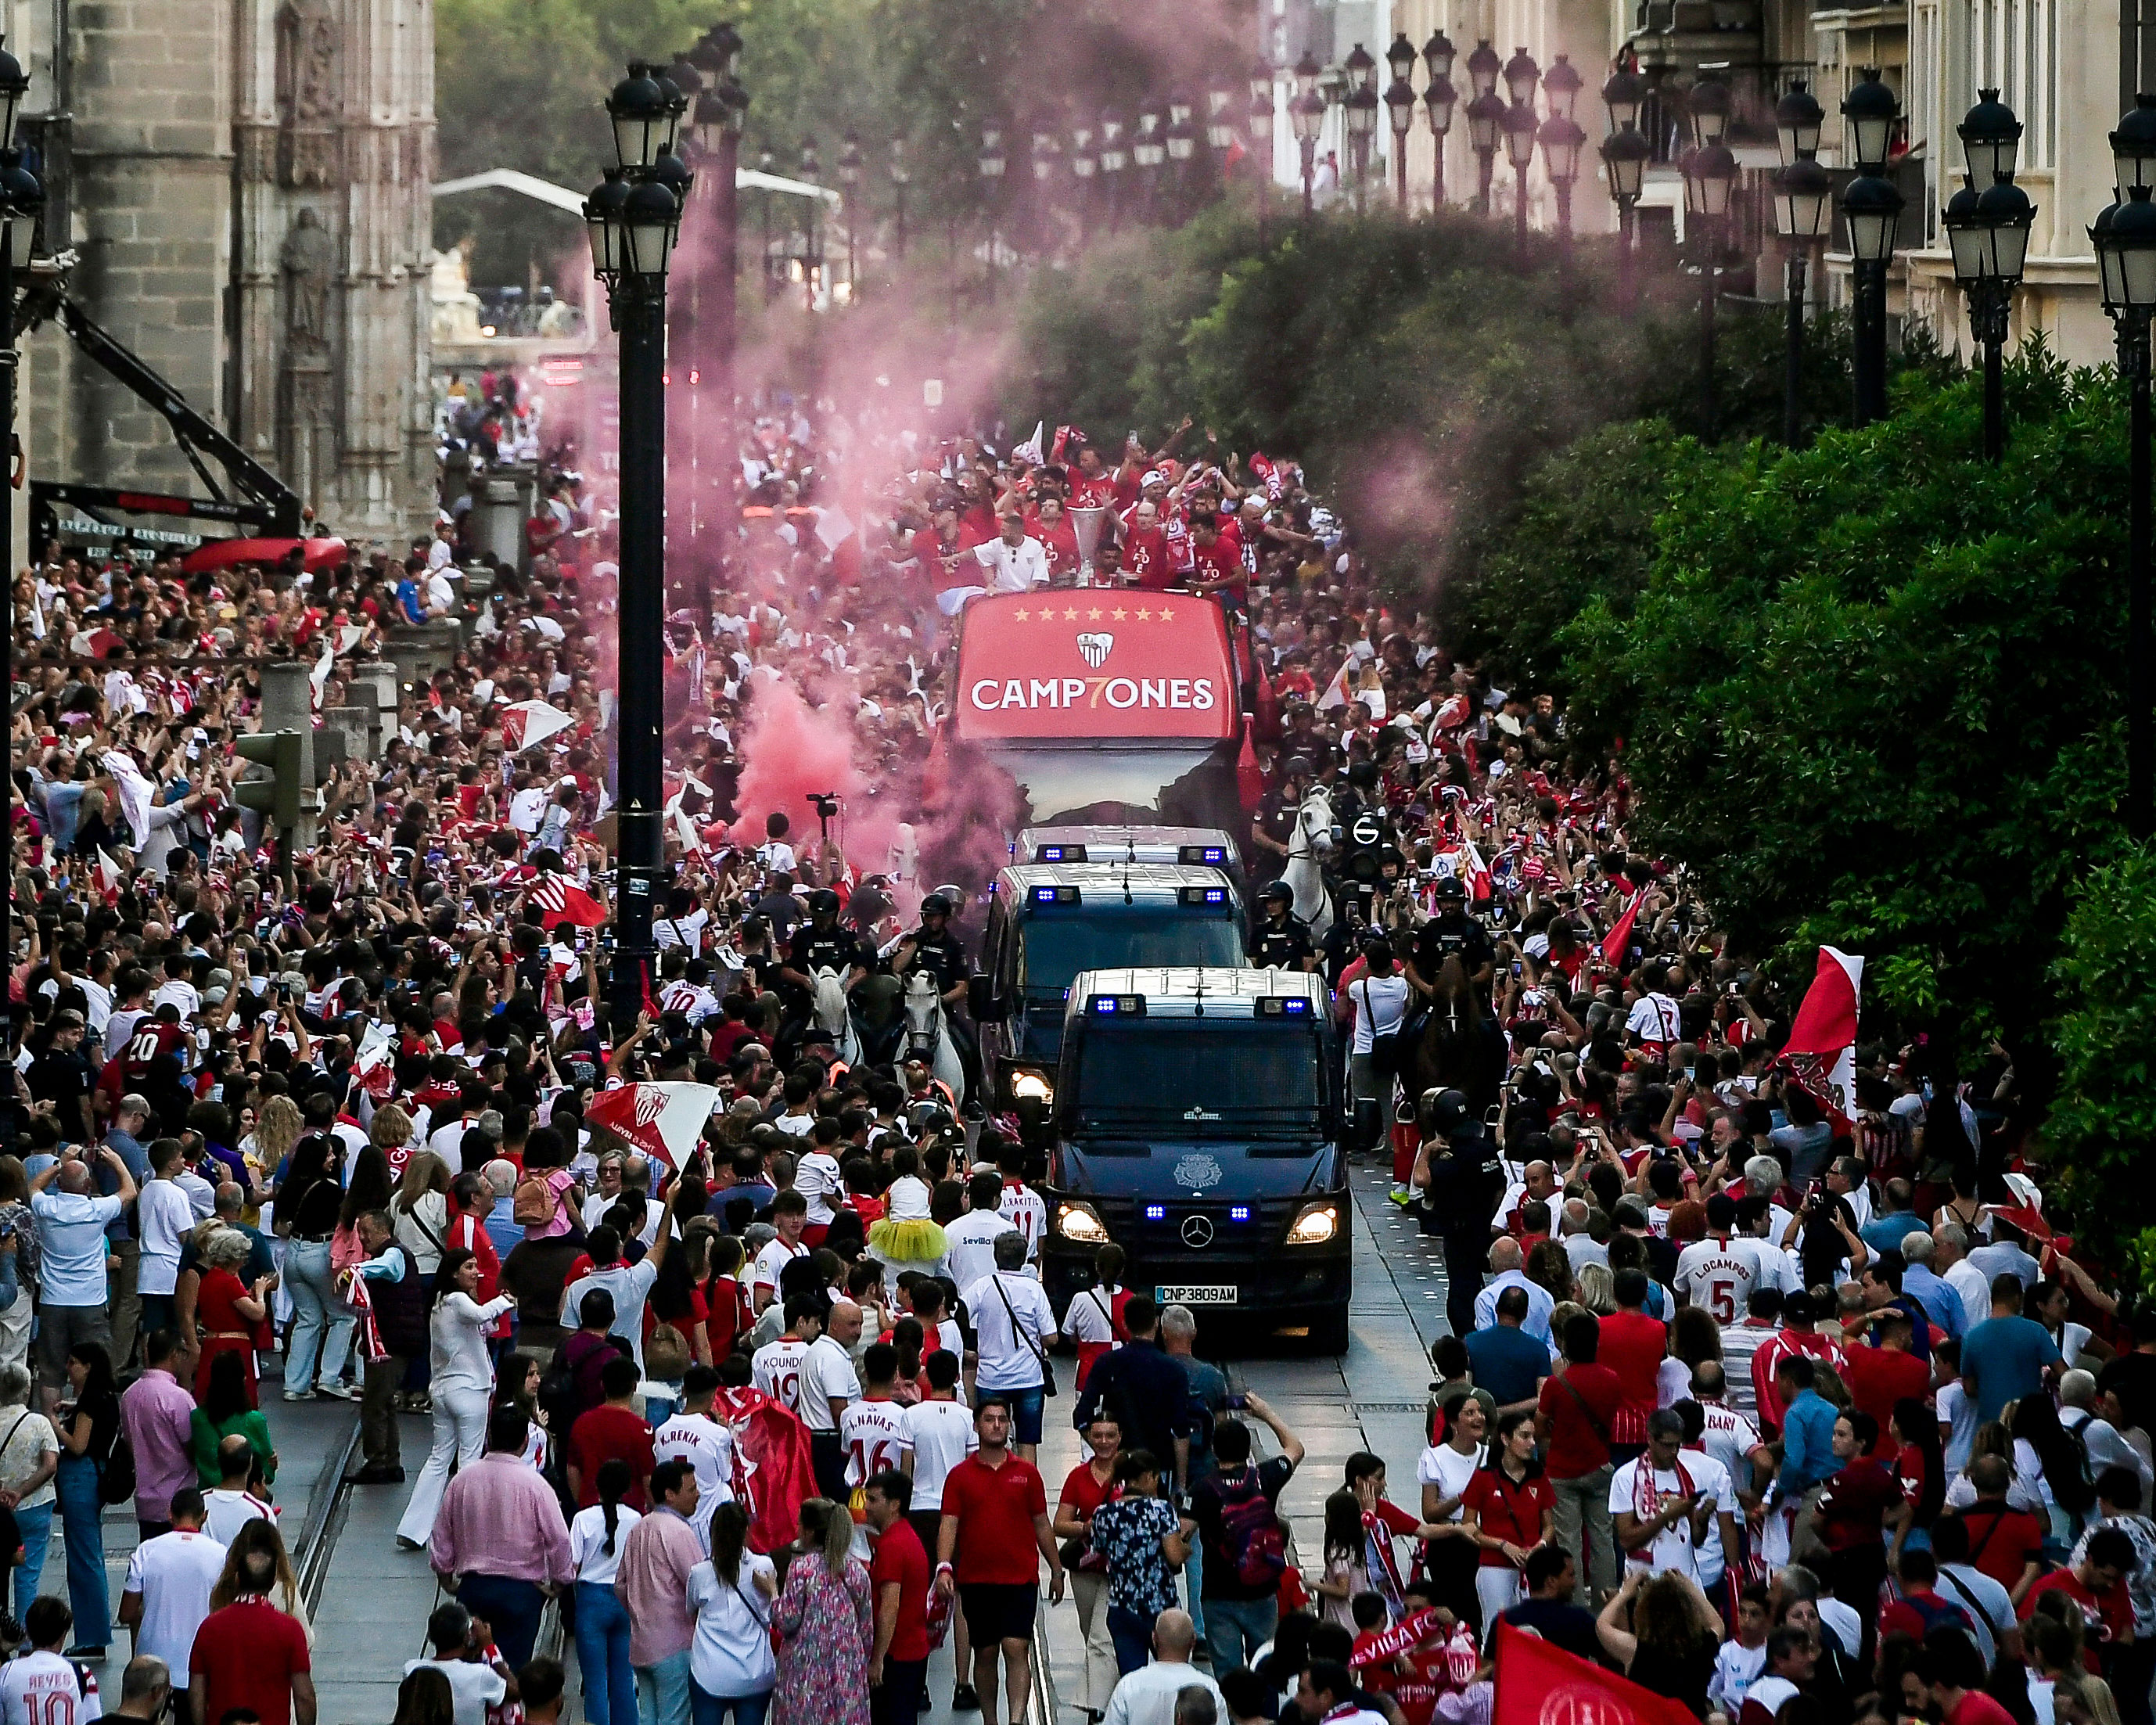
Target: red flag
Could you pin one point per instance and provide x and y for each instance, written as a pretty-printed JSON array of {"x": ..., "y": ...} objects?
[
  {"x": 774, "y": 1473},
  {"x": 643, "y": 980},
  {"x": 1618, "y": 940},
  {"x": 564, "y": 902},
  {"x": 935, "y": 773},
  {"x": 1249, "y": 776},
  {"x": 1268, "y": 707},
  {"x": 1821, "y": 1051},
  {"x": 1539, "y": 1684}
]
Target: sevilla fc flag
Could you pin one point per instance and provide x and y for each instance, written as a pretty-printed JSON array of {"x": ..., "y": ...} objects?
[
  {"x": 662, "y": 1120},
  {"x": 1537, "y": 1684},
  {"x": 529, "y": 723},
  {"x": 1821, "y": 1050},
  {"x": 564, "y": 902},
  {"x": 773, "y": 1471},
  {"x": 1249, "y": 776}
]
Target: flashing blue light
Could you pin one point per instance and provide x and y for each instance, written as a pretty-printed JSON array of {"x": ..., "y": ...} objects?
[
  {"x": 1240, "y": 1212},
  {"x": 1295, "y": 1008},
  {"x": 1051, "y": 853},
  {"x": 1105, "y": 1004},
  {"x": 1216, "y": 896},
  {"x": 1044, "y": 894},
  {"x": 1155, "y": 1212}
]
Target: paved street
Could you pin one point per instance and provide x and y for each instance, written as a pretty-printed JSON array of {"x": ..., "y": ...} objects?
[{"x": 372, "y": 1600}]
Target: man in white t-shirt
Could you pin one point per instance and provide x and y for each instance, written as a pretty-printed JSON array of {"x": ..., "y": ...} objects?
[
  {"x": 164, "y": 1213},
  {"x": 166, "y": 1596},
  {"x": 629, "y": 1283},
  {"x": 1654, "y": 1019},
  {"x": 828, "y": 1385},
  {"x": 1725, "y": 1434},
  {"x": 475, "y": 1686},
  {"x": 872, "y": 1429},
  {"x": 1013, "y": 1328},
  {"x": 1719, "y": 1271},
  {"x": 706, "y": 1444},
  {"x": 970, "y": 1239},
  {"x": 1023, "y": 1208},
  {"x": 789, "y": 1215},
  {"x": 939, "y": 1434},
  {"x": 1717, "y": 1547},
  {"x": 817, "y": 1178},
  {"x": 42, "y": 1686},
  {"x": 1658, "y": 1502},
  {"x": 776, "y": 1367},
  {"x": 231, "y": 1505}
]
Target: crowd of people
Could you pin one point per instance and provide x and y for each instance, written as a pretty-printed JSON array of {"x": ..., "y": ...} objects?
[{"x": 1787, "y": 1402}]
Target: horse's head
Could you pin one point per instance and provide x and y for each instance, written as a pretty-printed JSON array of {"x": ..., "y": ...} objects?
[
  {"x": 1313, "y": 824},
  {"x": 830, "y": 999},
  {"x": 1452, "y": 982},
  {"x": 924, "y": 1007}
]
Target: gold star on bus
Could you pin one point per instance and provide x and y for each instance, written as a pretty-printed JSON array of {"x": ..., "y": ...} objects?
[
  {"x": 1018, "y": 616},
  {"x": 1047, "y": 615},
  {"x": 1093, "y": 615},
  {"x": 1144, "y": 615},
  {"x": 1071, "y": 616},
  {"x": 1119, "y": 613},
  {"x": 1167, "y": 615}
]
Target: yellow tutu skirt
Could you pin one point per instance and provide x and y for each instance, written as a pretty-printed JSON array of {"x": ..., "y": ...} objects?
[{"x": 907, "y": 1242}]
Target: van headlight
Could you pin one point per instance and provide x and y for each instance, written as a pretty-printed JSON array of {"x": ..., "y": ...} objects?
[
  {"x": 1317, "y": 1224},
  {"x": 1079, "y": 1224},
  {"x": 1032, "y": 1086}
]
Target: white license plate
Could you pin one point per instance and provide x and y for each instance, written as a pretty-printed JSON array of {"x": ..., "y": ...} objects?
[{"x": 1202, "y": 1294}]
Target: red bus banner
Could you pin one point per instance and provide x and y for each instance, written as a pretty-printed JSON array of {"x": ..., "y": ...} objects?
[{"x": 1083, "y": 663}]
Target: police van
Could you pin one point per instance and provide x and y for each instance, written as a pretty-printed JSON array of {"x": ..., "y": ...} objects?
[
  {"x": 1192, "y": 847},
  {"x": 1198, "y": 1123},
  {"x": 1049, "y": 921}
]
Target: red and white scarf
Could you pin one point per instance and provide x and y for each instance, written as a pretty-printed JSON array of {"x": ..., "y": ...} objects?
[{"x": 1647, "y": 1501}]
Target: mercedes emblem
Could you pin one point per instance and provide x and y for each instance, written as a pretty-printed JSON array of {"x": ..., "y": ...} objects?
[{"x": 1196, "y": 1232}]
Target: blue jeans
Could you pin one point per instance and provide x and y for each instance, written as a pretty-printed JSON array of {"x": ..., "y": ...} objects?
[
  {"x": 1131, "y": 1631},
  {"x": 603, "y": 1655},
  {"x": 1194, "y": 1586},
  {"x": 35, "y": 1528},
  {"x": 1235, "y": 1628},
  {"x": 709, "y": 1709},
  {"x": 321, "y": 1323},
  {"x": 1025, "y": 1408},
  {"x": 88, "y": 1593},
  {"x": 662, "y": 1691},
  {"x": 511, "y": 1608}
]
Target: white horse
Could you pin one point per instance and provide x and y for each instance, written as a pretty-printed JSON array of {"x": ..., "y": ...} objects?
[
  {"x": 927, "y": 1036},
  {"x": 835, "y": 1017},
  {"x": 1312, "y": 839}
]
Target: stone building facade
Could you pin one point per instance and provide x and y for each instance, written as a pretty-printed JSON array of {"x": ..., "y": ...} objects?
[{"x": 246, "y": 186}]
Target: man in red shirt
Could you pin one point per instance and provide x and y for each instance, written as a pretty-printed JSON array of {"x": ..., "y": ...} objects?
[
  {"x": 251, "y": 1657},
  {"x": 1574, "y": 1415},
  {"x": 2005, "y": 1543},
  {"x": 613, "y": 1429},
  {"x": 1145, "y": 548},
  {"x": 1059, "y": 540},
  {"x": 1956, "y": 1674},
  {"x": 1216, "y": 561},
  {"x": 1633, "y": 1345},
  {"x": 1854, "y": 1504},
  {"x": 2098, "y": 1585},
  {"x": 1921, "y": 1608},
  {"x": 1886, "y": 1374},
  {"x": 898, "y": 1572},
  {"x": 1796, "y": 1335},
  {"x": 989, "y": 1549}
]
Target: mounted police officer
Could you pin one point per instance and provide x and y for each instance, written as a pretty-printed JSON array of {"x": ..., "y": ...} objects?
[
  {"x": 1281, "y": 939},
  {"x": 1464, "y": 1178},
  {"x": 1451, "y": 932},
  {"x": 934, "y": 949},
  {"x": 820, "y": 943}
]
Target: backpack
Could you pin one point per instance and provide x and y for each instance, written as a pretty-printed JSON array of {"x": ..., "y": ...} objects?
[
  {"x": 115, "y": 1478},
  {"x": 1938, "y": 1614},
  {"x": 1250, "y": 1531}
]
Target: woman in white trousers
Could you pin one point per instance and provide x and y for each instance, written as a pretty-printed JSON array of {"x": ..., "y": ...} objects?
[{"x": 462, "y": 1382}]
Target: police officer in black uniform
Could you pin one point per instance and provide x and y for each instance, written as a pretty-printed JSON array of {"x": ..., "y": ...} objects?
[
  {"x": 1452, "y": 930},
  {"x": 1281, "y": 939},
  {"x": 934, "y": 949},
  {"x": 820, "y": 943},
  {"x": 1466, "y": 1180},
  {"x": 1273, "y": 826}
]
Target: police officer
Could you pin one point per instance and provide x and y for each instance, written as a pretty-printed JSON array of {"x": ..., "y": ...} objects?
[
  {"x": 1281, "y": 939},
  {"x": 1464, "y": 1178},
  {"x": 821, "y": 944},
  {"x": 1274, "y": 824},
  {"x": 933, "y": 946},
  {"x": 1452, "y": 932}
]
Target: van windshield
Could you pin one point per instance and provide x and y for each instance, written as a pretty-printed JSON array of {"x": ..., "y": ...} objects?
[
  {"x": 1247, "y": 1079},
  {"x": 1139, "y": 937}
]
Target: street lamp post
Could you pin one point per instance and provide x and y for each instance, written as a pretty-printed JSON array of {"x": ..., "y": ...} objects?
[
  {"x": 767, "y": 162},
  {"x": 633, "y": 216},
  {"x": 1802, "y": 197},
  {"x": 2125, "y": 239},
  {"x": 1046, "y": 149},
  {"x": 1439, "y": 98},
  {"x": 1306, "y": 113},
  {"x": 1220, "y": 128},
  {"x": 1260, "y": 121},
  {"x": 1358, "y": 111},
  {"x": 20, "y": 199},
  {"x": 1522, "y": 75},
  {"x": 1085, "y": 163},
  {"x": 1115, "y": 159},
  {"x": 1710, "y": 171},
  {"x": 812, "y": 241},
  {"x": 1485, "y": 116},
  {"x": 1561, "y": 140},
  {"x": 1148, "y": 150},
  {"x": 1399, "y": 109},
  {"x": 1987, "y": 224},
  {"x": 991, "y": 164},
  {"x": 850, "y": 181},
  {"x": 1871, "y": 204},
  {"x": 1625, "y": 152},
  {"x": 721, "y": 111},
  {"x": 1182, "y": 151}
]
